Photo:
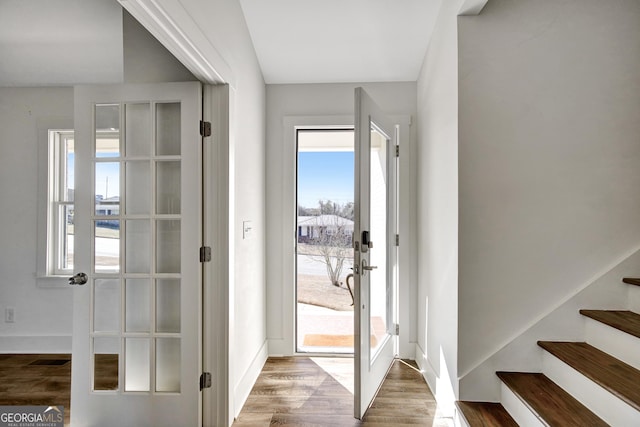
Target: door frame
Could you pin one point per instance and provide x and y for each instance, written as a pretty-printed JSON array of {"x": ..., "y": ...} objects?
[
  {"x": 406, "y": 295},
  {"x": 218, "y": 281},
  {"x": 293, "y": 229}
]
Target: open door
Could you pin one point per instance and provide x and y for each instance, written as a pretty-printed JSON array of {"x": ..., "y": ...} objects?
[
  {"x": 137, "y": 297},
  {"x": 375, "y": 251}
]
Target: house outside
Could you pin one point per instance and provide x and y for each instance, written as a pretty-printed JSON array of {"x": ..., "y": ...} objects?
[{"x": 313, "y": 228}]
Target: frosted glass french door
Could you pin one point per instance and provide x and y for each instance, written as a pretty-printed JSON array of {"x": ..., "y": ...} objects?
[
  {"x": 137, "y": 320},
  {"x": 375, "y": 251}
]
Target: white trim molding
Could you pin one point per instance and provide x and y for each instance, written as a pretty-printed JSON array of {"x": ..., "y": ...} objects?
[
  {"x": 472, "y": 7},
  {"x": 174, "y": 27}
]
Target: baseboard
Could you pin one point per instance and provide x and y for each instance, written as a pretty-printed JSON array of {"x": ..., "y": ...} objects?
[
  {"x": 35, "y": 344},
  {"x": 244, "y": 386}
]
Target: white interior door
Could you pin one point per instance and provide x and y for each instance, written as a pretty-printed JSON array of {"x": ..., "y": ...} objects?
[
  {"x": 137, "y": 320},
  {"x": 375, "y": 254}
]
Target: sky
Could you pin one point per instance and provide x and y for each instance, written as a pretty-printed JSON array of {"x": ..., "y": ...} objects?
[
  {"x": 325, "y": 176},
  {"x": 106, "y": 173},
  {"x": 321, "y": 176}
]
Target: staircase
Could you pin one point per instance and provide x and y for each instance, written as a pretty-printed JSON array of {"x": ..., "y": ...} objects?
[{"x": 592, "y": 383}]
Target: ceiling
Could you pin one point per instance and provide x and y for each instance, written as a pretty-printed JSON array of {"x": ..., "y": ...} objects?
[
  {"x": 311, "y": 41},
  {"x": 60, "y": 42},
  {"x": 66, "y": 42}
]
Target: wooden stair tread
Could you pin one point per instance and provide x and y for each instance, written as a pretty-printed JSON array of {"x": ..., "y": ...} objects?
[
  {"x": 549, "y": 401},
  {"x": 610, "y": 373},
  {"x": 623, "y": 320},
  {"x": 631, "y": 281},
  {"x": 485, "y": 414}
]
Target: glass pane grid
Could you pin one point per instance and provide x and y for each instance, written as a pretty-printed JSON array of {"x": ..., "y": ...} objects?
[{"x": 149, "y": 325}]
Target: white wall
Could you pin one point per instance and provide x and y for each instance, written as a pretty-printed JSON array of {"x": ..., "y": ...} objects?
[
  {"x": 145, "y": 60},
  {"x": 336, "y": 103},
  {"x": 437, "y": 343},
  {"x": 549, "y": 100},
  {"x": 42, "y": 316}
]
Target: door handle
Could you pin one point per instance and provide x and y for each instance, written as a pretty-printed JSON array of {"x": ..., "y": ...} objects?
[
  {"x": 78, "y": 279},
  {"x": 366, "y": 267}
]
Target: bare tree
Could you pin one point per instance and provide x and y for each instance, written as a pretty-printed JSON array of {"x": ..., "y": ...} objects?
[{"x": 333, "y": 241}]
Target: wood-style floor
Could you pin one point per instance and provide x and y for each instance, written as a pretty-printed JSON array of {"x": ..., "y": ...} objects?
[
  {"x": 36, "y": 379},
  {"x": 297, "y": 391}
]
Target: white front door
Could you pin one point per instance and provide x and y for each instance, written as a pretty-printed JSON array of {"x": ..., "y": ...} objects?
[
  {"x": 375, "y": 254},
  {"x": 137, "y": 319}
]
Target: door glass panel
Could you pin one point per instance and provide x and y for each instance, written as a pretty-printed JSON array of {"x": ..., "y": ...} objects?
[
  {"x": 168, "y": 305},
  {"x": 168, "y": 187},
  {"x": 168, "y": 129},
  {"x": 107, "y": 189},
  {"x": 137, "y": 364},
  {"x": 107, "y": 130},
  {"x": 106, "y": 351},
  {"x": 106, "y": 312},
  {"x": 168, "y": 364},
  {"x": 137, "y": 188},
  {"x": 137, "y": 304},
  {"x": 107, "y": 245},
  {"x": 138, "y": 245},
  {"x": 138, "y": 129},
  {"x": 168, "y": 246},
  {"x": 379, "y": 233}
]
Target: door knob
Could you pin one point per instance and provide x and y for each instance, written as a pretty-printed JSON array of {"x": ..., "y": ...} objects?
[{"x": 78, "y": 279}]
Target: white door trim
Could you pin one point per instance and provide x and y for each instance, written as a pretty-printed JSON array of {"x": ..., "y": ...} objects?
[
  {"x": 175, "y": 28},
  {"x": 218, "y": 223}
]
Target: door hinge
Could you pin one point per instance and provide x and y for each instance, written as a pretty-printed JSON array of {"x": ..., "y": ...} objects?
[
  {"x": 205, "y": 128},
  {"x": 397, "y": 240},
  {"x": 205, "y": 254},
  {"x": 205, "y": 380},
  {"x": 397, "y": 329},
  {"x": 397, "y": 151}
]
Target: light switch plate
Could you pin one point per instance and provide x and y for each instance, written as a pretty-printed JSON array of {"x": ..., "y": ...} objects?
[{"x": 247, "y": 229}]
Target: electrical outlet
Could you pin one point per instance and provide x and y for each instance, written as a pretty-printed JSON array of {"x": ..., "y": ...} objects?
[{"x": 9, "y": 315}]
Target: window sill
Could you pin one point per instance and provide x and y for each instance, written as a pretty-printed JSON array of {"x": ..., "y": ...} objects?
[{"x": 52, "y": 281}]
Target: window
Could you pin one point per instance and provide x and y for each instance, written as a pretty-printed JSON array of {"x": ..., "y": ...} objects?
[{"x": 60, "y": 208}]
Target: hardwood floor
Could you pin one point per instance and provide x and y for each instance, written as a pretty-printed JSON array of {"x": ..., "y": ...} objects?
[
  {"x": 297, "y": 391},
  {"x": 36, "y": 379}
]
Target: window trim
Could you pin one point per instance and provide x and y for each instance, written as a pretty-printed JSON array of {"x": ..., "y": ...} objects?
[
  {"x": 51, "y": 181},
  {"x": 57, "y": 177}
]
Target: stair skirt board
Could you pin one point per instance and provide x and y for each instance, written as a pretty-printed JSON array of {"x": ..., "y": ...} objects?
[
  {"x": 520, "y": 412},
  {"x": 613, "y": 341},
  {"x": 602, "y": 402}
]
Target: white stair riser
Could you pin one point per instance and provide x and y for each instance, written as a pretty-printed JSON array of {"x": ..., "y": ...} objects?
[
  {"x": 517, "y": 409},
  {"x": 613, "y": 341},
  {"x": 634, "y": 298},
  {"x": 604, "y": 404}
]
